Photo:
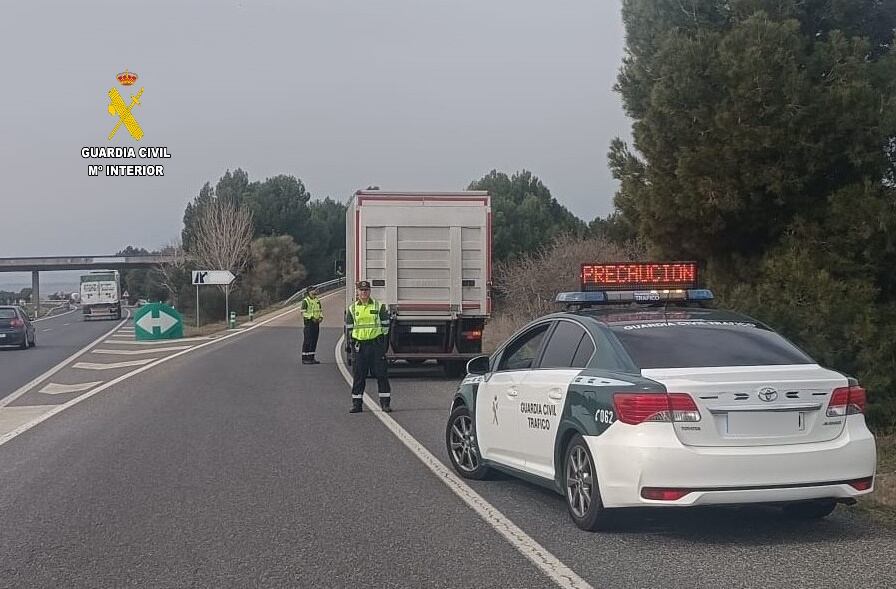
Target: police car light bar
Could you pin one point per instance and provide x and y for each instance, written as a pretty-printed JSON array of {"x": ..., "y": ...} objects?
[
  {"x": 595, "y": 297},
  {"x": 639, "y": 276}
]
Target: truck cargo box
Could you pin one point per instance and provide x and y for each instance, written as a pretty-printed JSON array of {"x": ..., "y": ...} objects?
[{"x": 427, "y": 256}]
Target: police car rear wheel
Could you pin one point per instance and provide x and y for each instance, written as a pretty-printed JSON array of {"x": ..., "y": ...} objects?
[
  {"x": 460, "y": 437},
  {"x": 582, "y": 493}
]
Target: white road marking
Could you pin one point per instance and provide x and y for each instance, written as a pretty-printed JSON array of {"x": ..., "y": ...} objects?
[
  {"x": 134, "y": 342},
  {"x": 550, "y": 565},
  {"x": 55, "y": 316},
  {"x": 42, "y": 417},
  {"x": 59, "y": 389},
  {"x": 25, "y": 388},
  {"x": 47, "y": 329},
  {"x": 112, "y": 365},
  {"x": 66, "y": 324},
  {"x": 140, "y": 351},
  {"x": 13, "y": 418}
]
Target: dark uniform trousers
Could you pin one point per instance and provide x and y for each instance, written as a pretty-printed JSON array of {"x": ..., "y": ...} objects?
[
  {"x": 370, "y": 356},
  {"x": 309, "y": 343}
]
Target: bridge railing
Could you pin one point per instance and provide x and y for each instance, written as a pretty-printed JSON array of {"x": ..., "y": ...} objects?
[{"x": 321, "y": 288}]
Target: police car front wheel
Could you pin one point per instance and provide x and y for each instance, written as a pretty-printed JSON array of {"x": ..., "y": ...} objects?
[
  {"x": 460, "y": 437},
  {"x": 582, "y": 492}
]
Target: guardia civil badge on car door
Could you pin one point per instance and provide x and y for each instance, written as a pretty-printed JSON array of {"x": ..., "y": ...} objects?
[{"x": 641, "y": 394}]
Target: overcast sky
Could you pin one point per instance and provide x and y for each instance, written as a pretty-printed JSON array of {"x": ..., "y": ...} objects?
[{"x": 404, "y": 94}]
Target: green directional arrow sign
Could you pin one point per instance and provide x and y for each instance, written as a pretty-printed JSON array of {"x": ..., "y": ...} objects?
[{"x": 158, "y": 321}]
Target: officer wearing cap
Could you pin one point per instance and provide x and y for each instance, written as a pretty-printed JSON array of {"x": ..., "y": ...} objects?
[
  {"x": 312, "y": 315},
  {"x": 367, "y": 327}
]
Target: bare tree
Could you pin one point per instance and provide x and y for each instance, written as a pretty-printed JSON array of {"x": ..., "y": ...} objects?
[
  {"x": 530, "y": 283},
  {"x": 223, "y": 234},
  {"x": 171, "y": 275}
]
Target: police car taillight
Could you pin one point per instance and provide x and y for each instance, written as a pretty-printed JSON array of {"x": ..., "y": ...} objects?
[
  {"x": 847, "y": 401},
  {"x": 637, "y": 408}
]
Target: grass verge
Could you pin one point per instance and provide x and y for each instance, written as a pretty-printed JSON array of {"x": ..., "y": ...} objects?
[{"x": 881, "y": 504}]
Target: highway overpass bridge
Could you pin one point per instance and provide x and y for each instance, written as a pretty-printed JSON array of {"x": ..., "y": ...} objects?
[{"x": 36, "y": 265}]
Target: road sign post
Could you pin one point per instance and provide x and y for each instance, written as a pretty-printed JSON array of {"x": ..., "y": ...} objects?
[{"x": 217, "y": 277}]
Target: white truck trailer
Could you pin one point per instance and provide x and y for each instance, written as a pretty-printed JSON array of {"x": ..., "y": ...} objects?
[
  {"x": 427, "y": 256},
  {"x": 101, "y": 295}
]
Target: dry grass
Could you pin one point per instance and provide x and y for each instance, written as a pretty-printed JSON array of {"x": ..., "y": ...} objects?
[{"x": 881, "y": 504}]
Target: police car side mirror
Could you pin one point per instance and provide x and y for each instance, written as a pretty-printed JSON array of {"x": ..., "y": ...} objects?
[{"x": 478, "y": 365}]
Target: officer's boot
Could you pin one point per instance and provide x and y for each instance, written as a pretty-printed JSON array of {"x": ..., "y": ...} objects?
[
  {"x": 314, "y": 360},
  {"x": 356, "y": 406},
  {"x": 384, "y": 404}
]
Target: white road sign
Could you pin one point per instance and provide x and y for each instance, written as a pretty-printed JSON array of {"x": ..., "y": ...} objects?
[{"x": 212, "y": 276}]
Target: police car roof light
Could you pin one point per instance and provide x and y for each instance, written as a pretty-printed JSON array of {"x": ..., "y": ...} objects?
[{"x": 596, "y": 297}]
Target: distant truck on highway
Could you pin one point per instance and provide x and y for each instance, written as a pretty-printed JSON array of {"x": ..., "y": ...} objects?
[
  {"x": 101, "y": 295},
  {"x": 427, "y": 256}
]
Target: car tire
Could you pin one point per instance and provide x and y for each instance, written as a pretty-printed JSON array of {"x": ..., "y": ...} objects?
[
  {"x": 24, "y": 345},
  {"x": 463, "y": 450},
  {"x": 33, "y": 340},
  {"x": 809, "y": 510},
  {"x": 581, "y": 489}
]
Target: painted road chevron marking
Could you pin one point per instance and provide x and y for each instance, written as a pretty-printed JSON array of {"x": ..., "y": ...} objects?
[
  {"x": 60, "y": 389},
  {"x": 113, "y": 365},
  {"x": 140, "y": 351}
]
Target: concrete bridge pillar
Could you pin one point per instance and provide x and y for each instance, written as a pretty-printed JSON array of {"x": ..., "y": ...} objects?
[{"x": 35, "y": 291}]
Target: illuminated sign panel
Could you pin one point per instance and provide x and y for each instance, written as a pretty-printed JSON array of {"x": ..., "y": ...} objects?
[{"x": 638, "y": 276}]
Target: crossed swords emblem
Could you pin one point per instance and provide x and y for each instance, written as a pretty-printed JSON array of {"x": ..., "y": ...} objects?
[{"x": 118, "y": 107}]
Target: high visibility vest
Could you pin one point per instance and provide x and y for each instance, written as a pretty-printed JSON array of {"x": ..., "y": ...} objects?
[
  {"x": 311, "y": 309},
  {"x": 366, "y": 323}
]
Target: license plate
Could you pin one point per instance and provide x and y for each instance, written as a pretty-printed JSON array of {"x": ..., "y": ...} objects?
[
  {"x": 2, "y": 335},
  {"x": 766, "y": 423},
  {"x": 424, "y": 330}
]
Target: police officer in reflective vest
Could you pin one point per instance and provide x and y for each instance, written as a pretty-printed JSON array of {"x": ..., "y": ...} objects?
[
  {"x": 367, "y": 324},
  {"x": 313, "y": 315}
]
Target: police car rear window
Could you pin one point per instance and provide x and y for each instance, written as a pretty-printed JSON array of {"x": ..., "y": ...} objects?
[
  {"x": 697, "y": 344},
  {"x": 8, "y": 314}
]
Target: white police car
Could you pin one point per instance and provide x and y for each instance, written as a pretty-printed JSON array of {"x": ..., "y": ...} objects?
[{"x": 643, "y": 396}]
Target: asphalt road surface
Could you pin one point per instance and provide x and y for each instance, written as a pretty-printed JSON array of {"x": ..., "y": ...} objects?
[
  {"x": 234, "y": 466},
  {"x": 58, "y": 337}
]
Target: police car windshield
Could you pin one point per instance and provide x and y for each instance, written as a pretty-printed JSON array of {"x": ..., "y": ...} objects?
[{"x": 692, "y": 344}]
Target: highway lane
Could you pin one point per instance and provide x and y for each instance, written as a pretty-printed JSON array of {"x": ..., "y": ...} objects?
[
  {"x": 235, "y": 466},
  {"x": 58, "y": 338}
]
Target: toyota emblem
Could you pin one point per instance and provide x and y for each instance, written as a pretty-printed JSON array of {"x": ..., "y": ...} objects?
[{"x": 768, "y": 394}]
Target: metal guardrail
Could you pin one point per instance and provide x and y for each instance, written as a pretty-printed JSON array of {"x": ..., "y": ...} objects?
[{"x": 322, "y": 287}]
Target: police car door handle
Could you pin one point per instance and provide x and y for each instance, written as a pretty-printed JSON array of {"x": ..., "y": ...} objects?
[
  {"x": 555, "y": 395},
  {"x": 512, "y": 392}
]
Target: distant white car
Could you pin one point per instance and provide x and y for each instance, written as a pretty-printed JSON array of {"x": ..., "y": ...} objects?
[{"x": 141, "y": 302}]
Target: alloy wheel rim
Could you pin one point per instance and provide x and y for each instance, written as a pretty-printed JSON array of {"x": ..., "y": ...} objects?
[
  {"x": 579, "y": 481},
  {"x": 463, "y": 444}
]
